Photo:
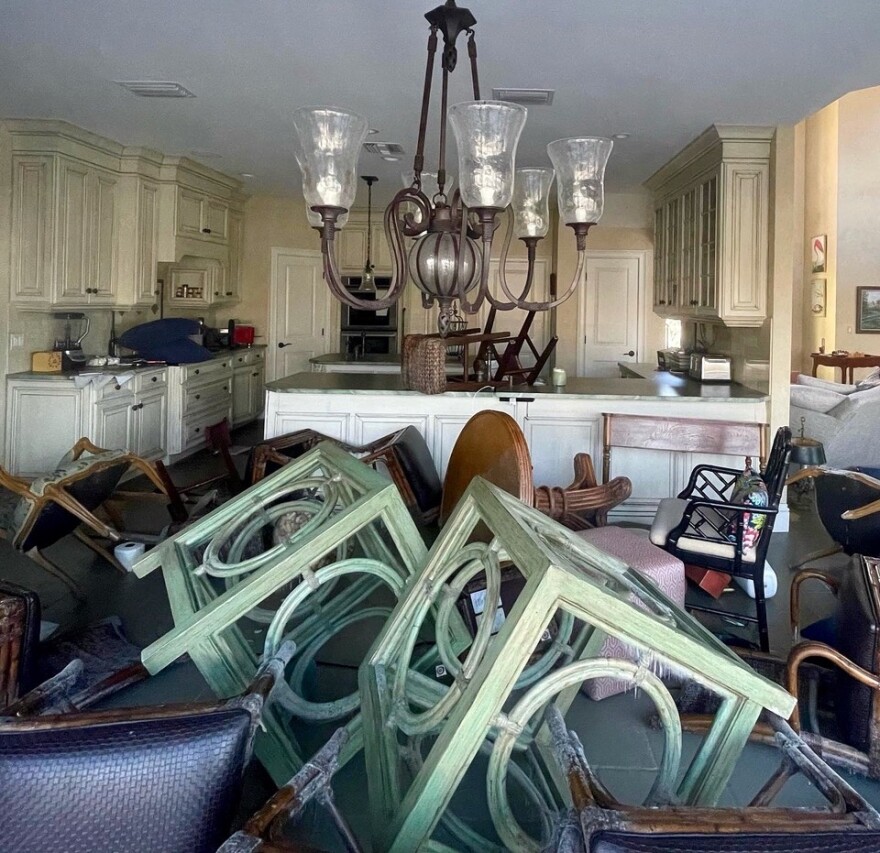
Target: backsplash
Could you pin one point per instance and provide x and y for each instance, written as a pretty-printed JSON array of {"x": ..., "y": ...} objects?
[{"x": 748, "y": 348}]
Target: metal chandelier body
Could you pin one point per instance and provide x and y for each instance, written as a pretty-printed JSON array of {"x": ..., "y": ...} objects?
[{"x": 449, "y": 257}]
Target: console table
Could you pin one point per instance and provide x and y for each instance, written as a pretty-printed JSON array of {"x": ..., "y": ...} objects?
[{"x": 844, "y": 362}]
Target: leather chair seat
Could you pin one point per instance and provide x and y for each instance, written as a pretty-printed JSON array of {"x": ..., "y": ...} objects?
[{"x": 746, "y": 842}]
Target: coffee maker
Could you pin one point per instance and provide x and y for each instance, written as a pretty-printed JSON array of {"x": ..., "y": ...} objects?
[{"x": 69, "y": 342}]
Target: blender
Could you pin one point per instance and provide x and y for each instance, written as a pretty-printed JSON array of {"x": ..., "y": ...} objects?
[{"x": 69, "y": 344}]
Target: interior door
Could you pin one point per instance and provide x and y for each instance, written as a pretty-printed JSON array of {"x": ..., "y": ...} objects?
[
  {"x": 611, "y": 312},
  {"x": 305, "y": 316}
]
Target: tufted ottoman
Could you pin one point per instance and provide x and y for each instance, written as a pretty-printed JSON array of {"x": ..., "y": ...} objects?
[{"x": 664, "y": 570}]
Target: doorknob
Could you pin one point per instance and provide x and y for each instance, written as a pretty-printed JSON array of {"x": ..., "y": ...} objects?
[
  {"x": 282, "y": 345},
  {"x": 631, "y": 352}
]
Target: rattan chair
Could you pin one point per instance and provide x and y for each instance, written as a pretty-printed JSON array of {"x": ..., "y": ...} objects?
[{"x": 36, "y": 514}]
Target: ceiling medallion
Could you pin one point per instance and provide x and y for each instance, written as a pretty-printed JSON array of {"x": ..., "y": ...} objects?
[{"x": 449, "y": 258}]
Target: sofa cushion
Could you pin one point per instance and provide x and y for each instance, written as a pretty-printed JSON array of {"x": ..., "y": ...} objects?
[
  {"x": 815, "y": 399},
  {"x": 852, "y": 403},
  {"x": 870, "y": 381},
  {"x": 815, "y": 382}
]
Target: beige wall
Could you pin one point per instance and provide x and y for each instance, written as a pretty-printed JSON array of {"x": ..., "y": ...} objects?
[{"x": 820, "y": 217}]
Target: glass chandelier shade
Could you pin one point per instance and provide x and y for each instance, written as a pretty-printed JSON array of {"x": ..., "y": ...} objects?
[
  {"x": 531, "y": 202},
  {"x": 430, "y": 187},
  {"x": 580, "y": 177},
  {"x": 329, "y": 144},
  {"x": 486, "y": 133},
  {"x": 433, "y": 262}
]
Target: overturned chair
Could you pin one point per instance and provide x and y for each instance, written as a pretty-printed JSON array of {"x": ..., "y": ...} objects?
[{"x": 35, "y": 515}]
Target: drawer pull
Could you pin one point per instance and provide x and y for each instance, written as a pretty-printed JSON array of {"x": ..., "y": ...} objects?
[
  {"x": 197, "y": 372},
  {"x": 206, "y": 230},
  {"x": 229, "y": 293},
  {"x": 154, "y": 379},
  {"x": 117, "y": 387},
  {"x": 240, "y": 360},
  {"x": 225, "y": 388},
  {"x": 197, "y": 429},
  {"x": 134, "y": 408},
  {"x": 198, "y": 396},
  {"x": 223, "y": 365},
  {"x": 256, "y": 373}
]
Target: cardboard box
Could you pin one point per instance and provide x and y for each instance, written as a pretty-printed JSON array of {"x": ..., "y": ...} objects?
[{"x": 46, "y": 362}]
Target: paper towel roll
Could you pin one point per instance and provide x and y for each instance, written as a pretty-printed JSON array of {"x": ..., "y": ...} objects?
[{"x": 127, "y": 552}]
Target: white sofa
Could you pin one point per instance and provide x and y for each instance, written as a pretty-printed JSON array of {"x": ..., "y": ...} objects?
[{"x": 845, "y": 418}]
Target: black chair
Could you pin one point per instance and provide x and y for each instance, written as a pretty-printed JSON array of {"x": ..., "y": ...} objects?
[
  {"x": 703, "y": 527},
  {"x": 154, "y": 780}
]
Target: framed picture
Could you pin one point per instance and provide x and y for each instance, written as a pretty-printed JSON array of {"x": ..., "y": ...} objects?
[
  {"x": 867, "y": 310},
  {"x": 817, "y": 296},
  {"x": 818, "y": 253}
]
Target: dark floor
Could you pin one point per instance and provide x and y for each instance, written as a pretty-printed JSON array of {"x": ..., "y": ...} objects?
[{"x": 625, "y": 751}]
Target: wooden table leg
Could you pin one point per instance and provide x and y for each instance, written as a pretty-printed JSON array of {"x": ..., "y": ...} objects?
[{"x": 815, "y": 366}]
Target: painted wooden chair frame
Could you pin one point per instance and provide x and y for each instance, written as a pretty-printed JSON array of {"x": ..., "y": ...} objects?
[
  {"x": 359, "y": 505},
  {"x": 582, "y": 586}
]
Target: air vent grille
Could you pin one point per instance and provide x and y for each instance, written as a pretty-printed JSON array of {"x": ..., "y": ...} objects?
[
  {"x": 155, "y": 89},
  {"x": 384, "y": 149},
  {"x": 529, "y": 97}
]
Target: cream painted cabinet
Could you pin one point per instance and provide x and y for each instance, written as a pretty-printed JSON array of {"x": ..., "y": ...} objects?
[
  {"x": 139, "y": 233},
  {"x": 711, "y": 221},
  {"x": 86, "y": 235},
  {"x": 200, "y": 216},
  {"x": 33, "y": 229},
  {"x": 351, "y": 249},
  {"x": 232, "y": 285}
]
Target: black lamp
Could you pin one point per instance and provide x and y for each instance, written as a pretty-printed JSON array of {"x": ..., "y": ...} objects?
[{"x": 806, "y": 451}]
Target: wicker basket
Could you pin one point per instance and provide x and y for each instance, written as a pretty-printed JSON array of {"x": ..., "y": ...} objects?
[
  {"x": 410, "y": 342},
  {"x": 426, "y": 366}
]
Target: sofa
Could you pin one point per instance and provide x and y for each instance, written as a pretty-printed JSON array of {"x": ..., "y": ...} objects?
[{"x": 845, "y": 418}]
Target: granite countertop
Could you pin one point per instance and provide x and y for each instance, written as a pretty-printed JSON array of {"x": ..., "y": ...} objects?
[
  {"x": 660, "y": 386},
  {"x": 346, "y": 358}
]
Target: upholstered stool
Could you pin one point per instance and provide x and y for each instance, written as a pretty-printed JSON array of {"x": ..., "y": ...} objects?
[{"x": 665, "y": 571}]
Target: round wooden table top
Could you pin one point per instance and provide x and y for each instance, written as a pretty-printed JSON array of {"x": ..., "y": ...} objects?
[{"x": 491, "y": 446}]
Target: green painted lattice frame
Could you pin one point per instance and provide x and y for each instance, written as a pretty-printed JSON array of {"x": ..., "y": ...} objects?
[
  {"x": 563, "y": 575},
  {"x": 206, "y": 615}
]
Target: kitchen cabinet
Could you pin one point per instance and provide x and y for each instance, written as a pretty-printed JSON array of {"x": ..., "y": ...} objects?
[
  {"x": 711, "y": 220},
  {"x": 248, "y": 381},
  {"x": 352, "y": 245},
  {"x": 130, "y": 414},
  {"x": 91, "y": 219},
  {"x": 196, "y": 283}
]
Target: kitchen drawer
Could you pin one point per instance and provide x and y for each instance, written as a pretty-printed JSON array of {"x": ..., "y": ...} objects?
[
  {"x": 150, "y": 380},
  {"x": 208, "y": 395},
  {"x": 114, "y": 391},
  {"x": 195, "y": 425},
  {"x": 204, "y": 371}
]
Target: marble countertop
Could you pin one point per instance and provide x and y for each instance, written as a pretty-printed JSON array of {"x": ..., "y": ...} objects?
[{"x": 660, "y": 386}]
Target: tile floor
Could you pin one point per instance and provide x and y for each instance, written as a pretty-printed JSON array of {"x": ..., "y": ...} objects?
[{"x": 624, "y": 750}]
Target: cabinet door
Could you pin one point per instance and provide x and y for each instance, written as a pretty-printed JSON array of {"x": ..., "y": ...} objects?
[
  {"x": 73, "y": 267},
  {"x": 102, "y": 243},
  {"x": 381, "y": 251},
  {"x": 113, "y": 422},
  {"x": 218, "y": 278},
  {"x": 189, "y": 288},
  {"x": 241, "y": 395},
  {"x": 257, "y": 389},
  {"x": 352, "y": 248},
  {"x": 690, "y": 249},
  {"x": 708, "y": 236},
  {"x": 236, "y": 237},
  {"x": 554, "y": 437},
  {"x": 215, "y": 224},
  {"x": 149, "y": 421},
  {"x": 661, "y": 299},
  {"x": 672, "y": 241},
  {"x": 147, "y": 243},
  {"x": 32, "y": 228},
  {"x": 189, "y": 213}
]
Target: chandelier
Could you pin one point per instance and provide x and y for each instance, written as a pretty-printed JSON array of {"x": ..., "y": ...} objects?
[{"x": 452, "y": 234}]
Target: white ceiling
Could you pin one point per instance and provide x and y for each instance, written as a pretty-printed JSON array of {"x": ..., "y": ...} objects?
[{"x": 661, "y": 71}]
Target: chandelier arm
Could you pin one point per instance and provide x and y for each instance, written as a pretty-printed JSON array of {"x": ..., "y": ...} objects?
[
  {"x": 553, "y": 303},
  {"x": 487, "y": 221},
  {"x": 444, "y": 100},
  {"x": 419, "y": 159},
  {"x": 531, "y": 243},
  {"x": 472, "y": 53}
]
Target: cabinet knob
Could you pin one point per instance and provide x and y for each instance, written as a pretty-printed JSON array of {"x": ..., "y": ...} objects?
[
  {"x": 662, "y": 302},
  {"x": 154, "y": 379},
  {"x": 197, "y": 429},
  {"x": 256, "y": 373},
  {"x": 197, "y": 372},
  {"x": 198, "y": 396},
  {"x": 206, "y": 230},
  {"x": 240, "y": 360},
  {"x": 695, "y": 301},
  {"x": 223, "y": 365},
  {"x": 216, "y": 293},
  {"x": 225, "y": 388},
  {"x": 229, "y": 293},
  {"x": 134, "y": 408},
  {"x": 117, "y": 387}
]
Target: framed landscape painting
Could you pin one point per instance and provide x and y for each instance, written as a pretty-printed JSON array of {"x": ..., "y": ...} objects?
[{"x": 867, "y": 310}]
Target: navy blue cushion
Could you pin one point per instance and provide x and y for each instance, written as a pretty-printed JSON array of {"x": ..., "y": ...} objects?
[
  {"x": 166, "y": 340},
  {"x": 824, "y": 631}
]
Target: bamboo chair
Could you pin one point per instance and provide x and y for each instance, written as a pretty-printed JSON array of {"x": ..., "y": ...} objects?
[
  {"x": 35, "y": 515},
  {"x": 601, "y": 824}
]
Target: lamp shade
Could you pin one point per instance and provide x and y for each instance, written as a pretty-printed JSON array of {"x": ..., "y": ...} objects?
[
  {"x": 807, "y": 451},
  {"x": 487, "y": 133},
  {"x": 531, "y": 199},
  {"x": 580, "y": 177},
  {"x": 329, "y": 142}
]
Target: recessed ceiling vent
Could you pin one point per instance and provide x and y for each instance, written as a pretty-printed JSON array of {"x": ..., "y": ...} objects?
[
  {"x": 384, "y": 149},
  {"x": 527, "y": 97},
  {"x": 155, "y": 89}
]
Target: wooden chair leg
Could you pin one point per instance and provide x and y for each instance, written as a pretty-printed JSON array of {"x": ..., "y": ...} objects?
[{"x": 44, "y": 562}]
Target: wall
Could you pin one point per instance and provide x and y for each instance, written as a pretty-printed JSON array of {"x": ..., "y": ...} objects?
[
  {"x": 858, "y": 205},
  {"x": 821, "y": 193},
  {"x": 626, "y": 224}
]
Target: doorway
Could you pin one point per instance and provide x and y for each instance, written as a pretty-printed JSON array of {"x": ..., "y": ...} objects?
[
  {"x": 304, "y": 316},
  {"x": 611, "y": 312}
]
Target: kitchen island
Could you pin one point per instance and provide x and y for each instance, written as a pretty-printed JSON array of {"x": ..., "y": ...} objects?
[
  {"x": 340, "y": 362},
  {"x": 557, "y": 422}
]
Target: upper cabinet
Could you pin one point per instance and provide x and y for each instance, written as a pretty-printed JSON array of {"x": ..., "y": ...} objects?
[
  {"x": 711, "y": 221},
  {"x": 352, "y": 245},
  {"x": 91, "y": 219}
]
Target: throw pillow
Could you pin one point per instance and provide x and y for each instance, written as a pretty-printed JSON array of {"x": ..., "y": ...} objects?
[
  {"x": 749, "y": 489},
  {"x": 815, "y": 399},
  {"x": 870, "y": 381},
  {"x": 816, "y": 382}
]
